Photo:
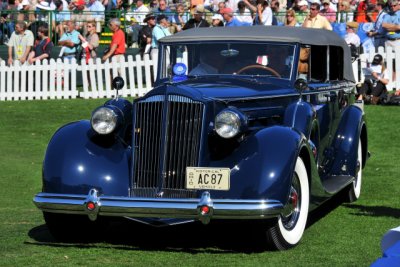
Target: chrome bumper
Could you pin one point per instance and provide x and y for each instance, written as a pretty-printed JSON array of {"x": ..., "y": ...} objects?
[{"x": 202, "y": 209}]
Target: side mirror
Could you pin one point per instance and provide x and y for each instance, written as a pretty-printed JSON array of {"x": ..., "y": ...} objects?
[
  {"x": 301, "y": 85},
  {"x": 118, "y": 83}
]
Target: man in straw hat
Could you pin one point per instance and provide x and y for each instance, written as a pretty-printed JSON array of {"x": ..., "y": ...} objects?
[
  {"x": 351, "y": 36},
  {"x": 198, "y": 19}
]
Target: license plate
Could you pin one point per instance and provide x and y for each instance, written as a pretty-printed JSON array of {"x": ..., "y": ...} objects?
[{"x": 208, "y": 178}]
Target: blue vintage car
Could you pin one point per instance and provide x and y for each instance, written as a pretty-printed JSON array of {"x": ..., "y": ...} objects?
[{"x": 252, "y": 124}]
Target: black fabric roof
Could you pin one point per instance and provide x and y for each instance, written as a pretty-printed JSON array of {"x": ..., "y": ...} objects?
[
  {"x": 299, "y": 35},
  {"x": 258, "y": 33}
]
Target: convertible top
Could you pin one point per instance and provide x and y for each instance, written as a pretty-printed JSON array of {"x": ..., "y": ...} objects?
[
  {"x": 258, "y": 33},
  {"x": 299, "y": 35}
]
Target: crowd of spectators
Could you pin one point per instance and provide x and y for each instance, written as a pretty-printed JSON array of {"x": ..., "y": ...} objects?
[{"x": 75, "y": 21}]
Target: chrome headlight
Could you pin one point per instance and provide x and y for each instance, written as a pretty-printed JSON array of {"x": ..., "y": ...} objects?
[
  {"x": 227, "y": 123},
  {"x": 104, "y": 120}
]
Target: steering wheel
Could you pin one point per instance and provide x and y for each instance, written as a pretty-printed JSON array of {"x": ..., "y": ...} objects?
[{"x": 274, "y": 72}]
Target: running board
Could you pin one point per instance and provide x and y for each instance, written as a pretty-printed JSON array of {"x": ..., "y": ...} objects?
[{"x": 334, "y": 184}]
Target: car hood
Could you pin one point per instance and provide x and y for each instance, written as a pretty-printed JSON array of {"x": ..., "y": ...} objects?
[{"x": 225, "y": 88}]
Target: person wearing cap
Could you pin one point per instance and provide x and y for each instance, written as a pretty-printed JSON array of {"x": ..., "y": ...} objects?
[
  {"x": 262, "y": 10},
  {"x": 376, "y": 79},
  {"x": 117, "y": 47},
  {"x": 217, "y": 21},
  {"x": 230, "y": 20},
  {"x": 145, "y": 33},
  {"x": 21, "y": 42},
  {"x": 197, "y": 20},
  {"x": 302, "y": 11},
  {"x": 378, "y": 33},
  {"x": 327, "y": 11},
  {"x": 243, "y": 14},
  {"x": 315, "y": 20},
  {"x": 159, "y": 31},
  {"x": 351, "y": 37}
]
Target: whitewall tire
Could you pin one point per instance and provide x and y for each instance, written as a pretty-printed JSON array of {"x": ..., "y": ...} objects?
[
  {"x": 355, "y": 188},
  {"x": 289, "y": 229}
]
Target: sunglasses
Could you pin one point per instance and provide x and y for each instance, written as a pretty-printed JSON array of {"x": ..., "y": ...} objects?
[
  {"x": 289, "y": 16},
  {"x": 313, "y": 9}
]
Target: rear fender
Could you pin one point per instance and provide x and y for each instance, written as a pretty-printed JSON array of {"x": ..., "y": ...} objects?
[
  {"x": 77, "y": 160},
  {"x": 345, "y": 144}
]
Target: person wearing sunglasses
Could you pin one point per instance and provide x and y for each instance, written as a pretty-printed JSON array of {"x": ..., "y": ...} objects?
[
  {"x": 290, "y": 18},
  {"x": 315, "y": 20},
  {"x": 90, "y": 42}
]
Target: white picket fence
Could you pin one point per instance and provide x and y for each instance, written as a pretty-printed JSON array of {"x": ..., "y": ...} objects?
[
  {"x": 57, "y": 79},
  {"x": 389, "y": 56}
]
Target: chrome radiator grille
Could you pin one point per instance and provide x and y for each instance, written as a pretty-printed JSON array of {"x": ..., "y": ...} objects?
[{"x": 167, "y": 139}]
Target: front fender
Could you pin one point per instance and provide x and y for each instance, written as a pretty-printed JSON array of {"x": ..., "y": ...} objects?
[
  {"x": 300, "y": 115},
  {"x": 77, "y": 160},
  {"x": 263, "y": 164},
  {"x": 345, "y": 143}
]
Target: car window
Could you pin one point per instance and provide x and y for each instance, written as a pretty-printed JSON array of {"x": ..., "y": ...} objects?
[{"x": 260, "y": 59}]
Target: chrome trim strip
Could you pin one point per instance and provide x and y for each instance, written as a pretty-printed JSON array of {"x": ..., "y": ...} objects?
[{"x": 160, "y": 207}]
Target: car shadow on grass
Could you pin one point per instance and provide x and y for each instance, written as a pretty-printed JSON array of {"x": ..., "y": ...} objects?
[
  {"x": 374, "y": 211},
  {"x": 216, "y": 238}
]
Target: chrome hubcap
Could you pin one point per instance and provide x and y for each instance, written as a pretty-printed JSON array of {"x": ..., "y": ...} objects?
[{"x": 292, "y": 208}]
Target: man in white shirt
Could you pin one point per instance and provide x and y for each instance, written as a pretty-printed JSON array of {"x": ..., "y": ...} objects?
[
  {"x": 138, "y": 13},
  {"x": 351, "y": 36},
  {"x": 263, "y": 12}
]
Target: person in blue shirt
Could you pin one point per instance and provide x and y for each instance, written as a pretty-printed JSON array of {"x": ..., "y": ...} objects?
[
  {"x": 230, "y": 20},
  {"x": 378, "y": 32},
  {"x": 391, "y": 23},
  {"x": 159, "y": 31},
  {"x": 69, "y": 41}
]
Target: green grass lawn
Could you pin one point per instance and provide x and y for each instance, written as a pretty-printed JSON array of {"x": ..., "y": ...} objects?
[{"x": 348, "y": 235}]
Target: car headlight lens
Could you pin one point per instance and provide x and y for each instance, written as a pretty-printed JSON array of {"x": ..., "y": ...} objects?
[
  {"x": 227, "y": 124},
  {"x": 104, "y": 120}
]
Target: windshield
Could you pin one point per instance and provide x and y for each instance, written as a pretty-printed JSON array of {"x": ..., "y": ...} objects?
[{"x": 256, "y": 59}]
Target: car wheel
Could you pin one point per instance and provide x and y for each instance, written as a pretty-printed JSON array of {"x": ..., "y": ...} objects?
[
  {"x": 289, "y": 228},
  {"x": 355, "y": 188},
  {"x": 71, "y": 227}
]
